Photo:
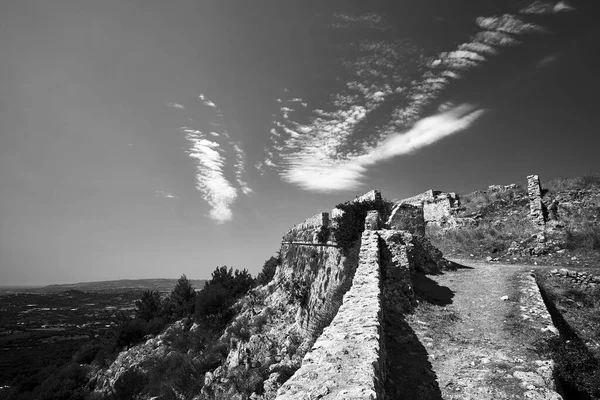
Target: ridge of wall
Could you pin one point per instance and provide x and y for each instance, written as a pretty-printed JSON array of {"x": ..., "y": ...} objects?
[{"x": 346, "y": 361}]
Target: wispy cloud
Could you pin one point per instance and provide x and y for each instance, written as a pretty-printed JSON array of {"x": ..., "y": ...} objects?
[
  {"x": 219, "y": 161},
  {"x": 385, "y": 109},
  {"x": 216, "y": 190},
  {"x": 327, "y": 175},
  {"x": 176, "y": 105},
  {"x": 166, "y": 195}
]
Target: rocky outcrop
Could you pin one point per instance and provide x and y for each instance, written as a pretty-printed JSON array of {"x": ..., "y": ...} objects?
[{"x": 346, "y": 361}]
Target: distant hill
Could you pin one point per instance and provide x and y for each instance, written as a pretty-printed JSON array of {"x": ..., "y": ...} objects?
[{"x": 160, "y": 285}]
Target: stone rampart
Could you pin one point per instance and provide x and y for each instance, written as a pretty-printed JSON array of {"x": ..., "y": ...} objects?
[
  {"x": 313, "y": 230},
  {"x": 346, "y": 361}
]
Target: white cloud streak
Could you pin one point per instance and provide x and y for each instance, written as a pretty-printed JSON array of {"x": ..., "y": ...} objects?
[
  {"x": 211, "y": 182},
  {"x": 331, "y": 150},
  {"x": 176, "y": 105}
]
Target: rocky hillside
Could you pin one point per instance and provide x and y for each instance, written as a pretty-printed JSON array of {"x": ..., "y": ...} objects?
[{"x": 498, "y": 224}]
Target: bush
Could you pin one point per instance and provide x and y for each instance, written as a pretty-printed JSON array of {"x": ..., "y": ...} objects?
[
  {"x": 584, "y": 237},
  {"x": 87, "y": 353},
  {"x": 182, "y": 299},
  {"x": 148, "y": 306},
  {"x": 351, "y": 224},
  {"x": 268, "y": 271}
]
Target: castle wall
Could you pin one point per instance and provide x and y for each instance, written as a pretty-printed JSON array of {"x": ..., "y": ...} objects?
[{"x": 346, "y": 361}]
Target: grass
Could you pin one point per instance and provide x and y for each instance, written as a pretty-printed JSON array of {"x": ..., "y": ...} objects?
[
  {"x": 488, "y": 237},
  {"x": 585, "y": 182}
]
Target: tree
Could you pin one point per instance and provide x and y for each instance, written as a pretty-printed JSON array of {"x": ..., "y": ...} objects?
[
  {"x": 268, "y": 271},
  {"x": 148, "y": 306},
  {"x": 221, "y": 292},
  {"x": 182, "y": 298}
]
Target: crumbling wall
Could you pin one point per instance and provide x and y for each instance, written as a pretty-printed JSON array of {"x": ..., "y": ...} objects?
[
  {"x": 407, "y": 217},
  {"x": 437, "y": 206},
  {"x": 346, "y": 360},
  {"x": 536, "y": 207}
]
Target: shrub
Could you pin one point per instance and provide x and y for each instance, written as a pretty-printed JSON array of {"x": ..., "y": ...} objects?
[
  {"x": 586, "y": 236},
  {"x": 87, "y": 353},
  {"x": 182, "y": 299},
  {"x": 268, "y": 271},
  {"x": 148, "y": 306},
  {"x": 351, "y": 224}
]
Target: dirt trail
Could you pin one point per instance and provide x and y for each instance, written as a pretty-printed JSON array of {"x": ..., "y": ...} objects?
[{"x": 480, "y": 345}]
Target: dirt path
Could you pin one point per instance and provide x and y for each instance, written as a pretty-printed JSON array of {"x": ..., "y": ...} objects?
[{"x": 481, "y": 345}]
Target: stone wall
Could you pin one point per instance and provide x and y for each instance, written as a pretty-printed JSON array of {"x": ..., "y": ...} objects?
[
  {"x": 437, "y": 206},
  {"x": 346, "y": 360},
  {"x": 311, "y": 230},
  {"x": 407, "y": 217},
  {"x": 536, "y": 207},
  {"x": 583, "y": 280}
]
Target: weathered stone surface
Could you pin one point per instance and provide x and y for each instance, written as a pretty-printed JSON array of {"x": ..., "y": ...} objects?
[
  {"x": 407, "y": 217},
  {"x": 536, "y": 207},
  {"x": 438, "y": 206},
  {"x": 311, "y": 230},
  {"x": 345, "y": 362},
  {"x": 373, "y": 195},
  {"x": 372, "y": 220},
  {"x": 397, "y": 268}
]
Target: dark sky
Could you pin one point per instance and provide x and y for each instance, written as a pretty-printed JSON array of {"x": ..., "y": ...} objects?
[{"x": 152, "y": 138}]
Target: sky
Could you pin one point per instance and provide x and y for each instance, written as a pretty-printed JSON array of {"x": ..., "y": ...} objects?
[{"x": 146, "y": 138}]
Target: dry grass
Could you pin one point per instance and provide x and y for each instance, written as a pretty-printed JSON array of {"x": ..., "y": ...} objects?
[{"x": 579, "y": 183}]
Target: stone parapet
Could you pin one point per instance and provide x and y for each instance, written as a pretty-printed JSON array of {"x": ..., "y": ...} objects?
[{"x": 346, "y": 361}]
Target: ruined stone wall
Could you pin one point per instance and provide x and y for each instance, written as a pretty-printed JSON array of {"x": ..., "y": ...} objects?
[
  {"x": 536, "y": 207},
  {"x": 346, "y": 361},
  {"x": 311, "y": 230},
  {"x": 407, "y": 217},
  {"x": 437, "y": 206}
]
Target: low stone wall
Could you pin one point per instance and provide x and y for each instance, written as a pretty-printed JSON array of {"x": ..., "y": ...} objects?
[
  {"x": 346, "y": 361},
  {"x": 582, "y": 279}
]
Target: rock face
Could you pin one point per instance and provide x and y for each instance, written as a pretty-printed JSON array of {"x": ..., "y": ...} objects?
[{"x": 346, "y": 361}]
